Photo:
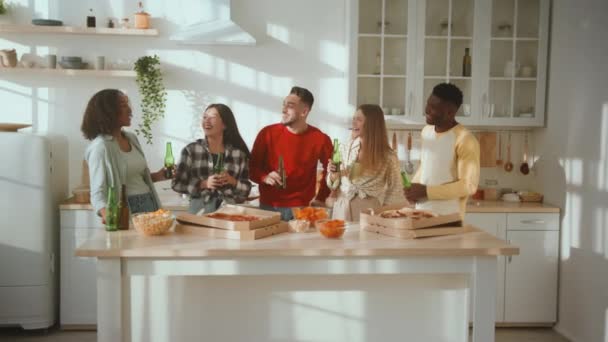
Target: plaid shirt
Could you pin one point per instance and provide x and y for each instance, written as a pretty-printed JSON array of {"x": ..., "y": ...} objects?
[{"x": 196, "y": 164}]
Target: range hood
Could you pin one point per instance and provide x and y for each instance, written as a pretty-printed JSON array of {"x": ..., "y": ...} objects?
[{"x": 216, "y": 29}]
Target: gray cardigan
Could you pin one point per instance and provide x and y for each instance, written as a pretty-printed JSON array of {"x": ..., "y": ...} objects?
[{"x": 106, "y": 168}]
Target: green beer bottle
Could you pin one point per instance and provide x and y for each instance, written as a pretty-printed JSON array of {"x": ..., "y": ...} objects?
[
  {"x": 405, "y": 181},
  {"x": 169, "y": 161},
  {"x": 219, "y": 164},
  {"x": 112, "y": 210},
  {"x": 336, "y": 157}
]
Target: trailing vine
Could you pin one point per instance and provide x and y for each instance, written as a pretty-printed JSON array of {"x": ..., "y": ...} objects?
[
  {"x": 3, "y": 9},
  {"x": 150, "y": 82}
]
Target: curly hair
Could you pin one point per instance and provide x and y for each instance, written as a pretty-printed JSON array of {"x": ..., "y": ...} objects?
[{"x": 101, "y": 115}]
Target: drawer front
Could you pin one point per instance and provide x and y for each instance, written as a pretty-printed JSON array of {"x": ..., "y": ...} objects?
[
  {"x": 80, "y": 219},
  {"x": 533, "y": 221}
]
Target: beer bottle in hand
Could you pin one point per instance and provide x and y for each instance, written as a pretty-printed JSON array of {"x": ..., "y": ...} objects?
[
  {"x": 336, "y": 157},
  {"x": 405, "y": 181},
  {"x": 169, "y": 161},
  {"x": 282, "y": 173}
]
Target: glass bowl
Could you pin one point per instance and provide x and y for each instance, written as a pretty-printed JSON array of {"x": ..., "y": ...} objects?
[
  {"x": 154, "y": 223},
  {"x": 331, "y": 229}
]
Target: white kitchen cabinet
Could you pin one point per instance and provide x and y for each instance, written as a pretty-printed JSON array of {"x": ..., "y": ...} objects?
[
  {"x": 404, "y": 48},
  {"x": 526, "y": 283},
  {"x": 78, "y": 282},
  {"x": 78, "y": 275},
  {"x": 494, "y": 224},
  {"x": 531, "y": 277}
]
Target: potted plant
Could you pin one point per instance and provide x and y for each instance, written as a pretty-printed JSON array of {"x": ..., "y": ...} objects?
[
  {"x": 3, "y": 12},
  {"x": 150, "y": 82}
]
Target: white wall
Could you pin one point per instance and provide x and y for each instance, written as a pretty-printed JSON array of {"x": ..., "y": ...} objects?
[
  {"x": 299, "y": 43},
  {"x": 573, "y": 171}
]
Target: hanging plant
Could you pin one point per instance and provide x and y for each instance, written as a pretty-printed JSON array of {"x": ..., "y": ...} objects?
[
  {"x": 3, "y": 9},
  {"x": 150, "y": 82}
]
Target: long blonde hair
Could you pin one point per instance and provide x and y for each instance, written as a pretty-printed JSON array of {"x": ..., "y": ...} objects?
[{"x": 374, "y": 145}]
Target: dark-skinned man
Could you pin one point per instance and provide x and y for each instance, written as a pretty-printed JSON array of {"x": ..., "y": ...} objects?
[{"x": 449, "y": 158}]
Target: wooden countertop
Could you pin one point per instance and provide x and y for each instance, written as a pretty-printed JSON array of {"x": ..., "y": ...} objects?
[
  {"x": 177, "y": 203},
  {"x": 354, "y": 243}
]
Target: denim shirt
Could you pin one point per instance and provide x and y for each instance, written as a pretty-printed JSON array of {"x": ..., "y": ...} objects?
[{"x": 107, "y": 168}]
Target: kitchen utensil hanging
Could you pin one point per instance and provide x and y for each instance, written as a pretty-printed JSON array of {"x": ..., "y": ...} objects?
[
  {"x": 499, "y": 160},
  {"x": 508, "y": 164},
  {"x": 525, "y": 168},
  {"x": 409, "y": 166}
]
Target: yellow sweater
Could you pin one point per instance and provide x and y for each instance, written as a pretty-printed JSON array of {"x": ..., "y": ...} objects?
[{"x": 449, "y": 167}]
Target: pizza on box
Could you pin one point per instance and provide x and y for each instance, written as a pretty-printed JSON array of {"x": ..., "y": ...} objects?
[
  {"x": 413, "y": 214},
  {"x": 233, "y": 217}
]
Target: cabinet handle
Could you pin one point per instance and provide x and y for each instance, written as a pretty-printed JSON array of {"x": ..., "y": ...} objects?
[
  {"x": 410, "y": 104},
  {"x": 510, "y": 257},
  {"x": 533, "y": 221}
]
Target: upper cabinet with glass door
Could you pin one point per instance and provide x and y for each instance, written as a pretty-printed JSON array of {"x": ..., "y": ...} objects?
[
  {"x": 446, "y": 52},
  {"x": 518, "y": 62},
  {"x": 495, "y": 51},
  {"x": 382, "y": 54}
]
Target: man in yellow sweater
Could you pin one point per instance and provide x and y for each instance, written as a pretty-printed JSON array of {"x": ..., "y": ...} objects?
[{"x": 449, "y": 158}]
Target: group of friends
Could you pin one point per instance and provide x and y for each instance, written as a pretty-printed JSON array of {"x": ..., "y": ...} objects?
[{"x": 368, "y": 176}]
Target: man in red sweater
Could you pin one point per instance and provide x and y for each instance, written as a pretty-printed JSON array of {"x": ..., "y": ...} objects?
[{"x": 302, "y": 146}]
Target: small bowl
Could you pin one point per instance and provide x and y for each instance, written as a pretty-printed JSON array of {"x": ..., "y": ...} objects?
[
  {"x": 300, "y": 226},
  {"x": 331, "y": 229},
  {"x": 154, "y": 223}
]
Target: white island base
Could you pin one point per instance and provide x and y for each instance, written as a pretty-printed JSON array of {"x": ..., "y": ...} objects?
[{"x": 375, "y": 289}]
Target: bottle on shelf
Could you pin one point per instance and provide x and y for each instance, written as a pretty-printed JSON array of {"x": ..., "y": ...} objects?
[
  {"x": 169, "y": 161},
  {"x": 142, "y": 19},
  {"x": 336, "y": 157},
  {"x": 123, "y": 209},
  {"x": 377, "y": 67},
  {"x": 112, "y": 210},
  {"x": 91, "y": 19},
  {"x": 110, "y": 23},
  {"x": 466, "y": 63}
]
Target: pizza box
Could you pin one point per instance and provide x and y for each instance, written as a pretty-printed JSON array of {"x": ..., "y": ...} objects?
[
  {"x": 254, "y": 234},
  {"x": 416, "y": 233},
  {"x": 266, "y": 218},
  {"x": 372, "y": 216}
]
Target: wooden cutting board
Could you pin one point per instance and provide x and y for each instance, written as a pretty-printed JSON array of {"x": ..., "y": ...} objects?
[
  {"x": 12, "y": 127},
  {"x": 487, "y": 149}
]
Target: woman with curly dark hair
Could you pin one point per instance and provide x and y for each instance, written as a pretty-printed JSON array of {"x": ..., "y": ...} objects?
[
  {"x": 199, "y": 173},
  {"x": 115, "y": 156}
]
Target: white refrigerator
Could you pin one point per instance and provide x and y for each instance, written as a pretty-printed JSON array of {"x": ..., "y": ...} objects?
[{"x": 33, "y": 180}]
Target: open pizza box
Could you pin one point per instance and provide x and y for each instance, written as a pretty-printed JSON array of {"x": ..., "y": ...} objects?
[
  {"x": 406, "y": 218},
  {"x": 263, "y": 218}
]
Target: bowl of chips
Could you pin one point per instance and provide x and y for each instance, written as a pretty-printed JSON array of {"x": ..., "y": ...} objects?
[
  {"x": 310, "y": 214},
  {"x": 154, "y": 223}
]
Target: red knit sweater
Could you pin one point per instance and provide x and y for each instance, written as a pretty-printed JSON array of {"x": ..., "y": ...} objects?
[{"x": 301, "y": 153}]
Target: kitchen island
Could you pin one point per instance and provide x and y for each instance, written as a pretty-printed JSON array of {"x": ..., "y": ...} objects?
[{"x": 242, "y": 282}]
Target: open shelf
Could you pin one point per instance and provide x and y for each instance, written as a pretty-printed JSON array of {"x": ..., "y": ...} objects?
[
  {"x": 77, "y": 30},
  {"x": 70, "y": 72}
]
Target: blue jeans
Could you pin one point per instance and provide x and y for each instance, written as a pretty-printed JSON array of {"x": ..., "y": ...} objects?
[
  {"x": 141, "y": 203},
  {"x": 211, "y": 205},
  {"x": 286, "y": 213}
]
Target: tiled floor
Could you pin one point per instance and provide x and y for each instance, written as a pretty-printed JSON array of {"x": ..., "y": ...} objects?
[{"x": 54, "y": 335}]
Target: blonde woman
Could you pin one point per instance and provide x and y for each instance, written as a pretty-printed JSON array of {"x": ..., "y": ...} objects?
[{"x": 369, "y": 174}]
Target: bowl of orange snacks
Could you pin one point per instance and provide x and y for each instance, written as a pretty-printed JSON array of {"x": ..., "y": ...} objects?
[
  {"x": 154, "y": 223},
  {"x": 310, "y": 214},
  {"x": 332, "y": 229}
]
